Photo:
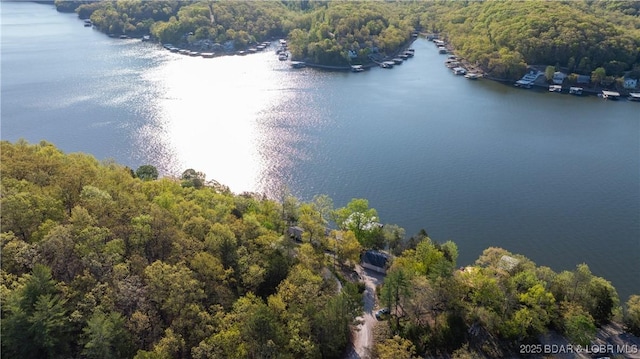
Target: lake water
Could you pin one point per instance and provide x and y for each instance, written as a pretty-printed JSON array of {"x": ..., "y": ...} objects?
[{"x": 553, "y": 177}]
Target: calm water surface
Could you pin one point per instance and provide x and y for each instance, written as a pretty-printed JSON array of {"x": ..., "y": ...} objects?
[{"x": 553, "y": 177}]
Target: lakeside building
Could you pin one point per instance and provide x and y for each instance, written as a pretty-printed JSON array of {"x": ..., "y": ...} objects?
[{"x": 375, "y": 260}]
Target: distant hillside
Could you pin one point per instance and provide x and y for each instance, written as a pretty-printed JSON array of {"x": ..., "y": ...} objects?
[{"x": 501, "y": 36}]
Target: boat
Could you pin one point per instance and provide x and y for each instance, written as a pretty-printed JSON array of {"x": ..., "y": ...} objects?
[
  {"x": 207, "y": 55},
  {"x": 241, "y": 53},
  {"x": 283, "y": 56},
  {"x": 357, "y": 68},
  {"x": 387, "y": 64},
  {"x": 124, "y": 36},
  {"x": 194, "y": 53},
  {"x": 459, "y": 71},
  {"x": 451, "y": 64},
  {"x": 88, "y": 23},
  {"x": 260, "y": 47},
  {"x": 634, "y": 96},
  {"x": 575, "y": 91},
  {"x": 297, "y": 64},
  {"x": 146, "y": 38},
  {"x": 397, "y": 61},
  {"x": 555, "y": 88},
  {"x": 610, "y": 95},
  {"x": 472, "y": 76},
  {"x": 409, "y": 53},
  {"x": 184, "y": 52},
  {"x": 442, "y": 50}
]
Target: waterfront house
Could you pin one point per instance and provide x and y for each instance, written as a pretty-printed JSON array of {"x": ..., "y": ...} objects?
[
  {"x": 375, "y": 260},
  {"x": 630, "y": 83},
  {"x": 558, "y": 77},
  {"x": 583, "y": 79}
]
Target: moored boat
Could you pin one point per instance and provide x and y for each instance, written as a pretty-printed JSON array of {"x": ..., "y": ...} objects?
[
  {"x": 555, "y": 88},
  {"x": 610, "y": 95},
  {"x": 459, "y": 71},
  {"x": 634, "y": 96},
  {"x": 472, "y": 76},
  {"x": 357, "y": 68},
  {"x": 297, "y": 64},
  {"x": 575, "y": 90},
  {"x": 387, "y": 64}
]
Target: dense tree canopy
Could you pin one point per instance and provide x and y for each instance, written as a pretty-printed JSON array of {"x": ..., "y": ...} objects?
[
  {"x": 501, "y": 36},
  {"x": 100, "y": 263},
  {"x": 502, "y": 300}
]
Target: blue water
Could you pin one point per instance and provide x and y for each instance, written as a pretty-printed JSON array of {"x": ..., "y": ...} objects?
[{"x": 553, "y": 177}]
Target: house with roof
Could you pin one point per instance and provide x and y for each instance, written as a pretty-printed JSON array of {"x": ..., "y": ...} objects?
[
  {"x": 630, "y": 83},
  {"x": 375, "y": 260},
  {"x": 583, "y": 79},
  {"x": 295, "y": 233},
  {"x": 558, "y": 77}
]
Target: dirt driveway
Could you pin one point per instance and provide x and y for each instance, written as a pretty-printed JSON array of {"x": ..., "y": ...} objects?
[{"x": 363, "y": 335}]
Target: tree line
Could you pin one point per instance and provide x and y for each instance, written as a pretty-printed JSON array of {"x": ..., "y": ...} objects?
[
  {"x": 101, "y": 261},
  {"x": 490, "y": 308},
  {"x": 502, "y": 37}
]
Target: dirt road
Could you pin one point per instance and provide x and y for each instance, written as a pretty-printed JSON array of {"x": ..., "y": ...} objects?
[{"x": 363, "y": 336}]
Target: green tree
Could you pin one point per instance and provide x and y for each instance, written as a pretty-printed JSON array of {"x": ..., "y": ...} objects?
[
  {"x": 193, "y": 178},
  {"x": 632, "y": 315},
  {"x": 548, "y": 72},
  {"x": 362, "y": 221},
  {"x": 395, "y": 348},
  {"x": 598, "y": 75},
  {"x": 35, "y": 322},
  {"x": 147, "y": 173},
  {"x": 106, "y": 336},
  {"x": 578, "y": 325}
]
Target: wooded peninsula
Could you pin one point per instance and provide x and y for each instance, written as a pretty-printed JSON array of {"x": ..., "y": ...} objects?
[
  {"x": 101, "y": 261},
  {"x": 501, "y": 37}
]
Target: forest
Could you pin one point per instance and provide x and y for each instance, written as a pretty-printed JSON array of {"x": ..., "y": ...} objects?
[
  {"x": 502, "y": 37},
  {"x": 101, "y": 261}
]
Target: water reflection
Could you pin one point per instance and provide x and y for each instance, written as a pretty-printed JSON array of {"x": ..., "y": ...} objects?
[{"x": 228, "y": 117}]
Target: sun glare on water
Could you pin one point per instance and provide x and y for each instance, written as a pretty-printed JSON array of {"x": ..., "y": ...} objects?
[{"x": 208, "y": 109}]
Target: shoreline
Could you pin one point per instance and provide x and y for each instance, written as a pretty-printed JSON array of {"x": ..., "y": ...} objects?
[{"x": 471, "y": 68}]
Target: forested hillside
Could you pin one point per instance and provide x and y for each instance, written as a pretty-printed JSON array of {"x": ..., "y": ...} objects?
[
  {"x": 99, "y": 261},
  {"x": 494, "y": 307},
  {"x": 500, "y": 36}
]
